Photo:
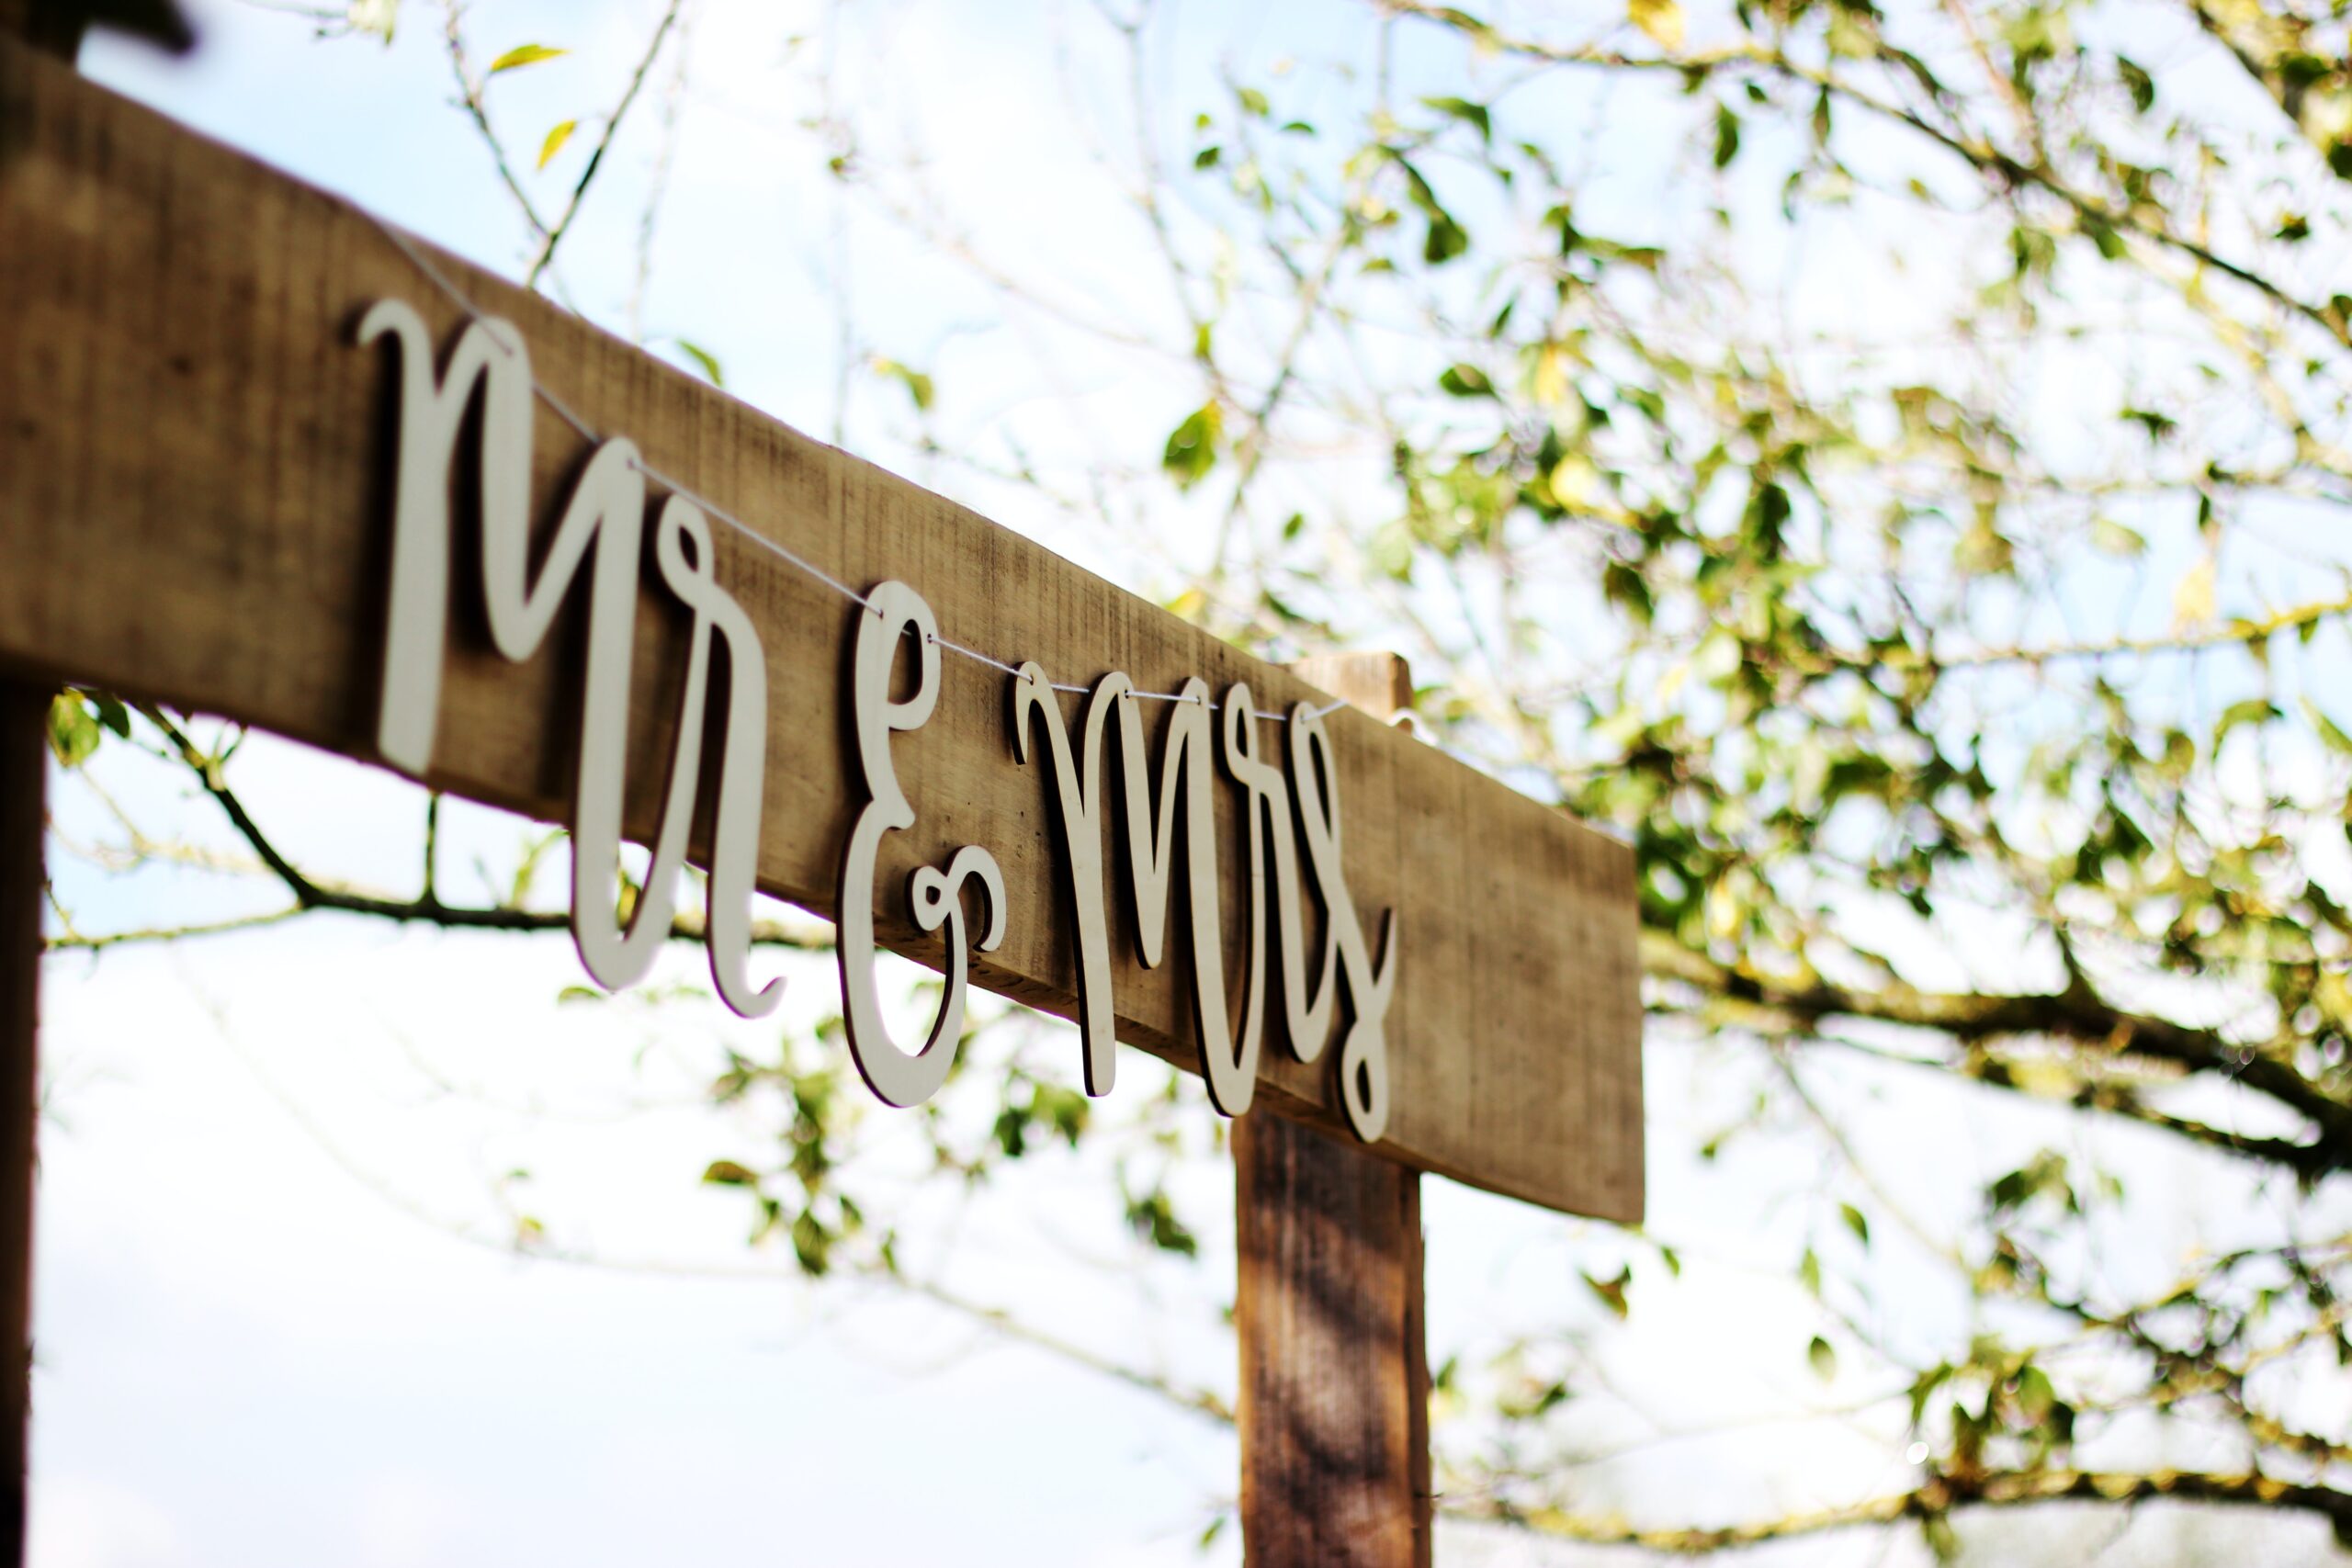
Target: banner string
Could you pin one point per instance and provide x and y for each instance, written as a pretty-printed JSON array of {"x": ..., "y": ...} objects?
[{"x": 563, "y": 412}]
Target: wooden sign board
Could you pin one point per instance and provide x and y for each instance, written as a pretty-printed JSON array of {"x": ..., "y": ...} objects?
[{"x": 195, "y": 466}]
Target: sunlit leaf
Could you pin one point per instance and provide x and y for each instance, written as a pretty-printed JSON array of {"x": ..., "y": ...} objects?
[
  {"x": 1477, "y": 115},
  {"x": 556, "y": 139},
  {"x": 2193, "y": 601},
  {"x": 1467, "y": 381},
  {"x": 523, "y": 54},
  {"x": 73, "y": 730},
  {"x": 705, "y": 361},
  {"x": 1661, "y": 20},
  {"x": 920, "y": 387},
  {"x": 1192, "y": 446}
]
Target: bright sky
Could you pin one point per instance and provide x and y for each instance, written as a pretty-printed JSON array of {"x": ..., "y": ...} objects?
[{"x": 277, "y": 1322}]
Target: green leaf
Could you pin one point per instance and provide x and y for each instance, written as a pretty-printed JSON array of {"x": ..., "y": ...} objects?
[
  {"x": 1446, "y": 240},
  {"x": 1153, "y": 1219},
  {"x": 556, "y": 139},
  {"x": 1809, "y": 1272},
  {"x": 1252, "y": 101},
  {"x": 1822, "y": 1357},
  {"x": 1471, "y": 114},
  {"x": 810, "y": 1245},
  {"x": 110, "y": 712},
  {"x": 705, "y": 361},
  {"x": 1856, "y": 1222},
  {"x": 1611, "y": 1293},
  {"x": 2035, "y": 1396},
  {"x": 73, "y": 730},
  {"x": 1467, "y": 381},
  {"x": 2328, "y": 729},
  {"x": 1727, "y": 136},
  {"x": 2252, "y": 710},
  {"x": 1191, "y": 445},
  {"x": 2138, "y": 82},
  {"x": 918, "y": 386},
  {"x": 523, "y": 54},
  {"x": 726, "y": 1173},
  {"x": 1206, "y": 157}
]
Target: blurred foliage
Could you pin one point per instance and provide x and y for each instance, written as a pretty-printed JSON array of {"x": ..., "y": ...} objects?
[{"x": 1761, "y": 526}]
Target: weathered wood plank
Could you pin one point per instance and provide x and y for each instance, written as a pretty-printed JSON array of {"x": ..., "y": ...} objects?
[
  {"x": 193, "y": 468},
  {"x": 1334, "y": 1388}
]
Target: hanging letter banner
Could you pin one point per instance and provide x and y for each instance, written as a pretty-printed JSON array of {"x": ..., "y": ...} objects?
[{"x": 264, "y": 458}]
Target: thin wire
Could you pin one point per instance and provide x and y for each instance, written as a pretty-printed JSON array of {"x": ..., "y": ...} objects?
[
  {"x": 938, "y": 641},
  {"x": 720, "y": 513},
  {"x": 424, "y": 264},
  {"x": 581, "y": 428}
]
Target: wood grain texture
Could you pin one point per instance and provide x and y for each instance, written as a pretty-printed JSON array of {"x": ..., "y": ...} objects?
[
  {"x": 1334, "y": 1387},
  {"x": 193, "y": 463},
  {"x": 24, "y": 758}
]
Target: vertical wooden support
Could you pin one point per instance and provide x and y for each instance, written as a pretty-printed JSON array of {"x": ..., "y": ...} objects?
[
  {"x": 1335, "y": 1388},
  {"x": 23, "y": 754},
  {"x": 24, "y": 763}
]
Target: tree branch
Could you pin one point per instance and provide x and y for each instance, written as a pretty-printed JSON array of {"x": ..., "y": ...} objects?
[
  {"x": 309, "y": 894},
  {"x": 555, "y": 232},
  {"x": 1932, "y": 1499},
  {"x": 1986, "y": 159},
  {"x": 2076, "y": 1015}
]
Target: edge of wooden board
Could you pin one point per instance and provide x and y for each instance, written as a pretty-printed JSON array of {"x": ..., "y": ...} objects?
[{"x": 189, "y": 312}]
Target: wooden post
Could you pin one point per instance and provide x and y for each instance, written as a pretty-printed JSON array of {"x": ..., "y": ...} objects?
[
  {"x": 1335, "y": 1388},
  {"x": 24, "y": 763}
]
